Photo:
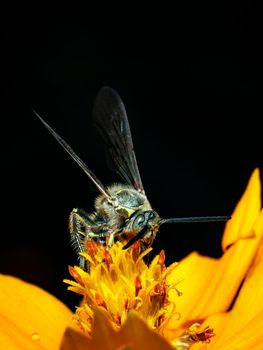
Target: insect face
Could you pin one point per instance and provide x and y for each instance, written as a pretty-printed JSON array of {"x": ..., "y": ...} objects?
[{"x": 145, "y": 225}]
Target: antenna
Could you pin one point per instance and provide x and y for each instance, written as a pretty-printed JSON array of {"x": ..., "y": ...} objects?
[
  {"x": 73, "y": 155},
  {"x": 177, "y": 221},
  {"x": 194, "y": 219}
]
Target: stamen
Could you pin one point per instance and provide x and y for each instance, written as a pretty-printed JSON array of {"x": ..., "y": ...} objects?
[
  {"x": 138, "y": 285},
  {"x": 107, "y": 258},
  {"x": 100, "y": 301},
  {"x": 75, "y": 275},
  {"x": 193, "y": 335},
  {"x": 161, "y": 260},
  {"x": 92, "y": 248},
  {"x": 123, "y": 283},
  {"x": 136, "y": 251}
]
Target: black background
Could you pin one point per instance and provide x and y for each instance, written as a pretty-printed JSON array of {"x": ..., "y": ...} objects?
[{"x": 191, "y": 80}]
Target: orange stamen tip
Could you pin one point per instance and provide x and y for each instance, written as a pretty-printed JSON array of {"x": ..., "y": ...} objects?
[
  {"x": 126, "y": 304},
  {"x": 196, "y": 335},
  {"x": 138, "y": 285},
  {"x": 107, "y": 237},
  {"x": 107, "y": 257},
  {"x": 92, "y": 248},
  {"x": 136, "y": 251},
  {"x": 205, "y": 335},
  {"x": 159, "y": 294},
  {"x": 193, "y": 335},
  {"x": 100, "y": 301},
  {"x": 73, "y": 273},
  {"x": 161, "y": 260}
]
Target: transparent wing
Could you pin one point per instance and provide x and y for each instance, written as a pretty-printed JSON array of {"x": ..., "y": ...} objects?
[{"x": 112, "y": 122}]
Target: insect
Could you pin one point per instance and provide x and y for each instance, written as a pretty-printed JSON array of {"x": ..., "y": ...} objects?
[{"x": 122, "y": 211}]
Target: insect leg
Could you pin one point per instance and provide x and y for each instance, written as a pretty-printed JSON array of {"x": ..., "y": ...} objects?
[
  {"x": 111, "y": 240},
  {"x": 78, "y": 223},
  {"x": 112, "y": 235}
]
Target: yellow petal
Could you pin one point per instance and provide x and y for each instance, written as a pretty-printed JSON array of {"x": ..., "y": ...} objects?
[
  {"x": 209, "y": 285},
  {"x": 250, "y": 298},
  {"x": 195, "y": 271},
  {"x": 74, "y": 340},
  {"x": 245, "y": 213},
  {"x": 30, "y": 318},
  {"x": 242, "y": 327},
  {"x": 248, "y": 336},
  {"x": 248, "y": 306},
  {"x": 141, "y": 337},
  {"x": 135, "y": 334}
]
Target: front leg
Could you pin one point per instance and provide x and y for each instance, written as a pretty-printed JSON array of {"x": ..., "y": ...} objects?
[{"x": 79, "y": 224}]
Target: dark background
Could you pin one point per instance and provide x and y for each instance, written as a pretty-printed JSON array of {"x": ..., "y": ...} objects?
[{"x": 191, "y": 80}]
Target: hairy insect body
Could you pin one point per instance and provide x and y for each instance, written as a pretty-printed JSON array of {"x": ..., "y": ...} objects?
[
  {"x": 128, "y": 213},
  {"x": 122, "y": 212},
  {"x": 125, "y": 200}
]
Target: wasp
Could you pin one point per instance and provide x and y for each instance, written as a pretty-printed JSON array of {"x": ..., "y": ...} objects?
[{"x": 122, "y": 211}]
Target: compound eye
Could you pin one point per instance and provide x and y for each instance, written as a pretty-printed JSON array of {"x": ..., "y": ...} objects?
[
  {"x": 140, "y": 220},
  {"x": 151, "y": 215}
]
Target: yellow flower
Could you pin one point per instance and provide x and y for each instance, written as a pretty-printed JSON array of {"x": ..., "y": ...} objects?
[
  {"x": 119, "y": 281},
  {"x": 202, "y": 302},
  {"x": 30, "y": 318}
]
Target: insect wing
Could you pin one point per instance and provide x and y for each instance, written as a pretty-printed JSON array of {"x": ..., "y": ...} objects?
[{"x": 112, "y": 122}]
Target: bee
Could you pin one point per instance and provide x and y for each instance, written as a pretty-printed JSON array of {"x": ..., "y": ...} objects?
[{"x": 122, "y": 211}]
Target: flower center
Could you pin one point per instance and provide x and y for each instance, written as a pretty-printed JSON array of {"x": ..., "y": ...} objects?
[{"x": 120, "y": 282}]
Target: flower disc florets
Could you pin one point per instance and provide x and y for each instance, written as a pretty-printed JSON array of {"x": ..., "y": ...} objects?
[{"x": 119, "y": 281}]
